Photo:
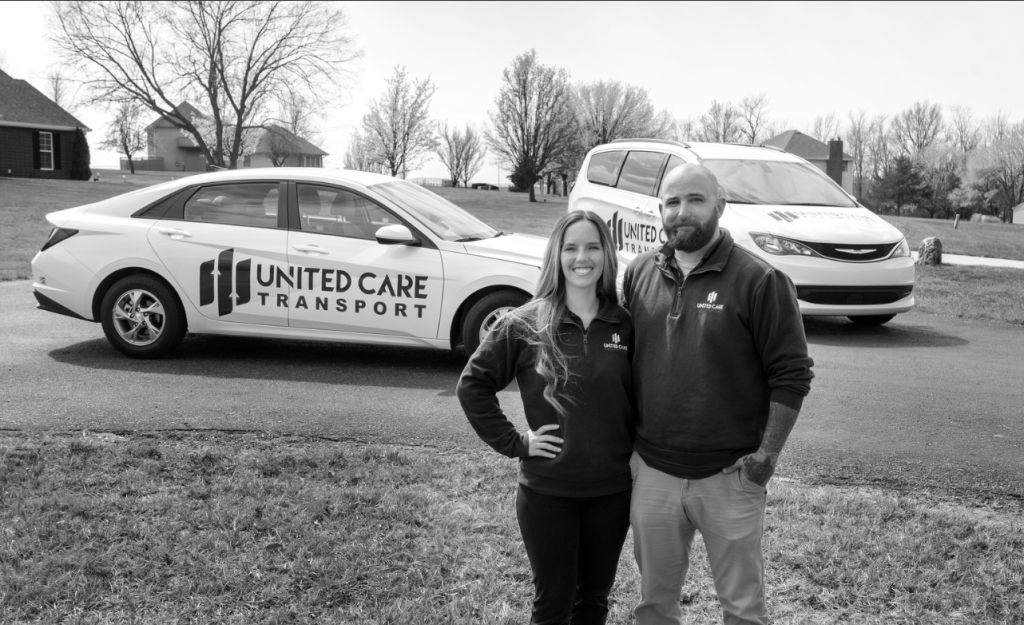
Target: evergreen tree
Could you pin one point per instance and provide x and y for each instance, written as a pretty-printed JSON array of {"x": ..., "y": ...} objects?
[
  {"x": 80, "y": 157},
  {"x": 901, "y": 186}
]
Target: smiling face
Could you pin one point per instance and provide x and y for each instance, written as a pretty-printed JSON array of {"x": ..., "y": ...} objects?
[{"x": 582, "y": 256}]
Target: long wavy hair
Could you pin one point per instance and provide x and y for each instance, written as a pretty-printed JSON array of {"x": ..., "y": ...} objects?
[{"x": 538, "y": 320}]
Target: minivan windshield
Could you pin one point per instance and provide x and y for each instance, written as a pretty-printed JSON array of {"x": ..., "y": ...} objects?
[
  {"x": 443, "y": 218},
  {"x": 778, "y": 183}
]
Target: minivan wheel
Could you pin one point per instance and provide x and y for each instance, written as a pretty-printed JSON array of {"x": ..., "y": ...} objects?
[
  {"x": 871, "y": 320},
  {"x": 141, "y": 317},
  {"x": 484, "y": 313}
]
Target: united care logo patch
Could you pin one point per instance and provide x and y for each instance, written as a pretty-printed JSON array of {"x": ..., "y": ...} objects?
[
  {"x": 710, "y": 304},
  {"x": 616, "y": 344}
]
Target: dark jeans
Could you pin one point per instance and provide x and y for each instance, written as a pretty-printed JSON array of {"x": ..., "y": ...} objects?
[{"x": 573, "y": 544}]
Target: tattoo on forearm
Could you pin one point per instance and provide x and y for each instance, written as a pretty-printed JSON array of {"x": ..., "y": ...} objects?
[
  {"x": 780, "y": 423},
  {"x": 758, "y": 471}
]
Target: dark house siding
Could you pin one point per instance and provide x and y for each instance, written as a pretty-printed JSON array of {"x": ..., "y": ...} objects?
[{"x": 18, "y": 157}]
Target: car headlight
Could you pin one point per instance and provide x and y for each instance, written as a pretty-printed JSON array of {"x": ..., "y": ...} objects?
[
  {"x": 779, "y": 246},
  {"x": 902, "y": 250}
]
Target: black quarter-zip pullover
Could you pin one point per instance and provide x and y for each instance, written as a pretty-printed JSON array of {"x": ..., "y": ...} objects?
[{"x": 598, "y": 427}]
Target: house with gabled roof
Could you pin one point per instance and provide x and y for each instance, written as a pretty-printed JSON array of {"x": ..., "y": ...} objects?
[
  {"x": 167, "y": 148},
  {"x": 279, "y": 147},
  {"x": 815, "y": 152},
  {"x": 35, "y": 133}
]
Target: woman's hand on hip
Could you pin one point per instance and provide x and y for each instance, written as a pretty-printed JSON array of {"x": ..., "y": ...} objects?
[{"x": 543, "y": 444}]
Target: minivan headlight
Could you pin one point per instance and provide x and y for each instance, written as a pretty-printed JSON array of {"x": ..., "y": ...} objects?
[
  {"x": 902, "y": 250},
  {"x": 779, "y": 246}
]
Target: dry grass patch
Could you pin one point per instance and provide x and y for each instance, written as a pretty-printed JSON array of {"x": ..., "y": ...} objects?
[
  {"x": 970, "y": 239},
  {"x": 992, "y": 293},
  {"x": 249, "y": 528}
]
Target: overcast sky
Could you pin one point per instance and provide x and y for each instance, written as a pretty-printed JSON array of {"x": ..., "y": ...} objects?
[{"x": 810, "y": 59}]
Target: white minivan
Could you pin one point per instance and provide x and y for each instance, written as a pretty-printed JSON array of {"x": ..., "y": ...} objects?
[{"x": 843, "y": 259}]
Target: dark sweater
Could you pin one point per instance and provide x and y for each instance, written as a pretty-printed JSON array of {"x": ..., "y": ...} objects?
[
  {"x": 711, "y": 352},
  {"x": 598, "y": 428}
]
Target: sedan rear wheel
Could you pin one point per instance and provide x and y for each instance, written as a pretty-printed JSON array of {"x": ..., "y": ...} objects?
[{"x": 142, "y": 317}]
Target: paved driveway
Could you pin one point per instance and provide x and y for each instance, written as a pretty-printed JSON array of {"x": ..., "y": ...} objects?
[{"x": 925, "y": 401}]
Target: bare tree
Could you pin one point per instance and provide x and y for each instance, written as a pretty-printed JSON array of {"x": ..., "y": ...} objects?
[
  {"x": 719, "y": 124},
  {"x": 611, "y": 110},
  {"x": 533, "y": 126},
  {"x": 231, "y": 58},
  {"x": 359, "y": 155},
  {"x": 753, "y": 118},
  {"x": 449, "y": 149},
  {"x": 917, "y": 128},
  {"x": 398, "y": 124},
  {"x": 964, "y": 132},
  {"x": 996, "y": 128},
  {"x": 858, "y": 132},
  {"x": 683, "y": 129},
  {"x": 126, "y": 133},
  {"x": 825, "y": 127},
  {"x": 61, "y": 89},
  {"x": 775, "y": 128},
  {"x": 3, "y": 61},
  {"x": 879, "y": 147},
  {"x": 1000, "y": 167},
  {"x": 295, "y": 118},
  {"x": 473, "y": 154}
]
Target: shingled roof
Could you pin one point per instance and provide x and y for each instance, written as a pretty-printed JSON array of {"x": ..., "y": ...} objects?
[
  {"x": 184, "y": 109},
  {"x": 295, "y": 145},
  {"x": 24, "y": 106},
  {"x": 809, "y": 148}
]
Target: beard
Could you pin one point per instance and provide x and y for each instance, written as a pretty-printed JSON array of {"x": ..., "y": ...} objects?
[{"x": 690, "y": 235}]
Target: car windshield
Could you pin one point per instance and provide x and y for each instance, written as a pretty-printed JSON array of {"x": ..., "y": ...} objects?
[
  {"x": 776, "y": 183},
  {"x": 443, "y": 218}
]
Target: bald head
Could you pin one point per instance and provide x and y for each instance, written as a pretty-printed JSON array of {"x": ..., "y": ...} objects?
[
  {"x": 691, "y": 175},
  {"x": 691, "y": 203}
]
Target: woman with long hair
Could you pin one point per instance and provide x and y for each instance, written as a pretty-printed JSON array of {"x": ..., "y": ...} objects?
[{"x": 569, "y": 349}]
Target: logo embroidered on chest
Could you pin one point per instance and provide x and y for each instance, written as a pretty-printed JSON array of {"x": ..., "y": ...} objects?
[
  {"x": 616, "y": 344},
  {"x": 710, "y": 304}
]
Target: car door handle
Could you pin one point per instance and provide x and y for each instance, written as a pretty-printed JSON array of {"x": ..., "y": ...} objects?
[
  {"x": 174, "y": 233},
  {"x": 310, "y": 249}
]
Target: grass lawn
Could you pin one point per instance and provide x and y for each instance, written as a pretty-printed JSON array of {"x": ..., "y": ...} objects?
[
  {"x": 245, "y": 528},
  {"x": 970, "y": 239}
]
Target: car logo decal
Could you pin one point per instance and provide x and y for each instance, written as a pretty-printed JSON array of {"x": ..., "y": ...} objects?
[{"x": 220, "y": 271}]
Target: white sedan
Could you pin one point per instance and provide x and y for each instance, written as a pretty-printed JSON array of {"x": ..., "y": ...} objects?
[{"x": 297, "y": 253}]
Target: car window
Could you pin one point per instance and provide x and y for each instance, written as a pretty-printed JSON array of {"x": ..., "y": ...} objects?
[
  {"x": 332, "y": 210},
  {"x": 604, "y": 167},
  {"x": 246, "y": 204},
  {"x": 776, "y": 183},
  {"x": 432, "y": 211},
  {"x": 673, "y": 162},
  {"x": 640, "y": 172}
]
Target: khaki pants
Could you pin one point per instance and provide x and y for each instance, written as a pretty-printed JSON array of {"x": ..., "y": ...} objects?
[{"x": 728, "y": 510}]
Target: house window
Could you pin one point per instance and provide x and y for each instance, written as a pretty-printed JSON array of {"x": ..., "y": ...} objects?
[
  {"x": 46, "y": 151},
  {"x": 312, "y": 161}
]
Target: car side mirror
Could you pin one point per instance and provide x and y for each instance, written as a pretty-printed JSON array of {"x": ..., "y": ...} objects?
[{"x": 396, "y": 235}]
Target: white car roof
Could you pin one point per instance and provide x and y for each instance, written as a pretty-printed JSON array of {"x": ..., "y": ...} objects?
[
  {"x": 703, "y": 150},
  {"x": 316, "y": 174}
]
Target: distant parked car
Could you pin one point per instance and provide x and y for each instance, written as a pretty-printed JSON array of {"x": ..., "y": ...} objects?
[
  {"x": 301, "y": 253},
  {"x": 844, "y": 259},
  {"x": 484, "y": 186}
]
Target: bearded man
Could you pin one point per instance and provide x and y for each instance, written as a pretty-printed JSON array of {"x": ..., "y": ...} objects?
[{"x": 720, "y": 369}]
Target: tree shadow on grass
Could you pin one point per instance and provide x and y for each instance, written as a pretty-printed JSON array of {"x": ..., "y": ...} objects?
[
  {"x": 841, "y": 332},
  {"x": 283, "y": 360}
]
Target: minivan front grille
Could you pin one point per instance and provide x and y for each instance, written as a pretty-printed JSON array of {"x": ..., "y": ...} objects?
[
  {"x": 852, "y": 252},
  {"x": 852, "y": 295}
]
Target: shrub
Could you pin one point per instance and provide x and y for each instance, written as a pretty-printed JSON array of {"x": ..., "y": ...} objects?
[{"x": 80, "y": 169}]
